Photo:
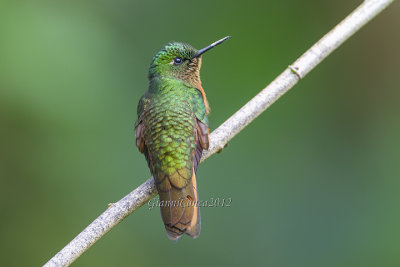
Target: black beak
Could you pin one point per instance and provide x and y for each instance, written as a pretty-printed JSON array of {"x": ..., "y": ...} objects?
[{"x": 205, "y": 49}]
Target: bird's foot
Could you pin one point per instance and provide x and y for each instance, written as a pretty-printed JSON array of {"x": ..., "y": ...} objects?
[{"x": 220, "y": 150}]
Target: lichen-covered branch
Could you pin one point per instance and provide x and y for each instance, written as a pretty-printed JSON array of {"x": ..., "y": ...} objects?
[{"x": 224, "y": 133}]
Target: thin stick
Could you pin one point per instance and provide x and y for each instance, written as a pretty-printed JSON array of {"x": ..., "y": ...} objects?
[{"x": 224, "y": 133}]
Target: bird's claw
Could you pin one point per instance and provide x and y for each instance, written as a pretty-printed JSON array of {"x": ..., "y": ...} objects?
[{"x": 220, "y": 150}]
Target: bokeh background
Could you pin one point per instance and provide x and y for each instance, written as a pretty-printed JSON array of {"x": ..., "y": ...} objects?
[{"x": 314, "y": 181}]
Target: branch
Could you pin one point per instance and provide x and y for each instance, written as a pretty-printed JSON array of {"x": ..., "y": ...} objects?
[{"x": 231, "y": 127}]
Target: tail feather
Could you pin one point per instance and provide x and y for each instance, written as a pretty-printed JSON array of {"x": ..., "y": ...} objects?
[
  {"x": 180, "y": 210},
  {"x": 195, "y": 225}
]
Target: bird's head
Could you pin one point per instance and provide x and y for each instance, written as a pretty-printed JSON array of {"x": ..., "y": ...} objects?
[{"x": 180, "y": 60}]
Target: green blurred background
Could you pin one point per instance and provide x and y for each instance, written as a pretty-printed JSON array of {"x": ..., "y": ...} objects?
[{"x": 314, "y": 180}]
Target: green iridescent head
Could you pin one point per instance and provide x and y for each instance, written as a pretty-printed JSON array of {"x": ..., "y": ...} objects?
[
  {"x": 173, "y": 58},
  {"x": 179, "y": 60}
]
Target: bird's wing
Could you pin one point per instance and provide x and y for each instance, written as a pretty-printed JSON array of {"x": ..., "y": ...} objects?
[
  {"x": 202, "y": 140},
  {"x": 139, "y": 127}
]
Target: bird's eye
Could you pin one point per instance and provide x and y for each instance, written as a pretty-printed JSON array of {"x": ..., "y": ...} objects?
[{"x": 177, "y": 61}]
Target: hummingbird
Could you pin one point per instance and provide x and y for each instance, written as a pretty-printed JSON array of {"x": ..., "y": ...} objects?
[{"x": 172, "y": 131}]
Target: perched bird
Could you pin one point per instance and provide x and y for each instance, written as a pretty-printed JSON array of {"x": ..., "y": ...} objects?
[{"x": 172, "y": 131}]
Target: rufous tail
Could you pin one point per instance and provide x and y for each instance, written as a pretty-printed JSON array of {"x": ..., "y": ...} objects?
[{"x": 180, "y": 210}]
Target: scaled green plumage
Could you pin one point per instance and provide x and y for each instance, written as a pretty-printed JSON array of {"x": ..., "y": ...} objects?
[{"x": 170, "y": 109}]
